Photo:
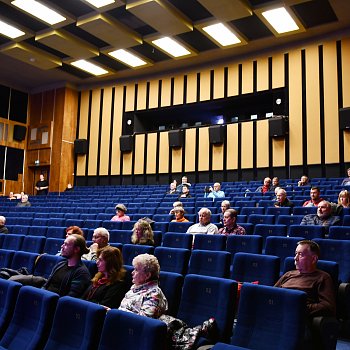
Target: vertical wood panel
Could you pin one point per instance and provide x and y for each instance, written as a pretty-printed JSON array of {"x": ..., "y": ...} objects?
[
  {"x": 190, "y": 152},
  {"x": 105, "y": 131},
  {"x": 163, "y": 152},
  {"x": 278, "y": 71},
  {"x": 176, "y": 160},
  {"x": 247, "y": 77},
  {"x": 153, "y": 94},
  {"x": 262, "y": 144},
  {"x": 179, "y": 90},
  {"x": 262, "y": 74},
  {"x": 218, "y": 157},
  {"x": 141, "y": 95},
  {"x": 130, "y": 97},
  {"x": 151, "y": 153},
  {"x": 83, "y": 124},
  {"x": 204, "y": 85},
  {"x": 117, "y": 129},
  {"x": 191, "y": 87},
  {"x": 232, "y": 84},
  {"x": 345, "y": 57},
  {"x": 247, "y": 145},
  {"x": 295, "y": 108},
  {"x": 203, "y": 156},
  {"x": 127, "y": 163},
  {"x": 331, "y": 122},
  {"x": 94, "y": 131},
  {"x": 166, "y": 92},
  {"x": 232, "y": 146},
  {"x": 313, "y": 105},
  {"x": 346, "y": 146},
  {"x": 219, "y": 82},
  {"x": 139, "y": 153},
  {"x": 278, "y": 147}
]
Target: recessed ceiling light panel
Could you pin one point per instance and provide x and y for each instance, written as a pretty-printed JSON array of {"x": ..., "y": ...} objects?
[
  {"x": 280, "y": 20},
  {"x": 171, "y": 46},
  {"x": 89, "y": 67},
  {"x": 100, "y": 3},
  {"x": 127, "y": 58},
  {"x": 223, "y": 35},
  {"x": 9, "y": 30}
]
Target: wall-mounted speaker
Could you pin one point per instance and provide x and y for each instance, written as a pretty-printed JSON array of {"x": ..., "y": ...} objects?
[
  {"x": 278, "y": 126},
  {"x": 176, "y": 138},
  {"x": 126, "y": 143},
  {"x": 19, "y": 132},
  {"x": 217, "y": 134},
  {"x": 344, "y": 118},
  {"x": 80, "y": 146}
]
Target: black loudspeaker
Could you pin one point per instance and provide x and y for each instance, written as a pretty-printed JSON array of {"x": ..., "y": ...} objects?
[
  {"x": 217, "y": 134},
  {"x": 278, "y": 126},
  {"x": 80, "y": 146},
  {"x": 19, "y": 132},
  {"x": 344, "y": 118},
  {"x": 176, "y": 138},
  {"x": 126, "y": 143}
]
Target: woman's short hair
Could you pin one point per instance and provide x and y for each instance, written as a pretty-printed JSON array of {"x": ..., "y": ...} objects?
[
  {"x": 147, "y": 233},
  {"x": 345, "y": 194},
  {"x": 114, "y": 264},
  {"x": 148, "y": 263},
  {"x": 76, "y": 230}
]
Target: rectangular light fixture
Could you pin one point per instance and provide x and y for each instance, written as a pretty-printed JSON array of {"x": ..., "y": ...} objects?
[
  {"x": 280, "y": 20},
  {"x": 89, "y": 67},
  {"x": 100, "y": 3},
  {"x": 171, "y": 47},
  {"x": 10, "y": 31},
  {"x": 127, "y": 58},
  {"x": 39, "y": 10},
  {"x": 222, "y": 34}
]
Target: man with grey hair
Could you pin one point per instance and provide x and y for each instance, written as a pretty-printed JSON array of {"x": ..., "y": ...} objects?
[
  {"x": 282, "y": 200},
  {"x": 214, "y": 192},
  {"x": 224, "y": 206},
  {"x": 204, "y": 225},
  {"x": 3, "y": 228},
  {"x": 24, "y": 201},
  {"x": 100, "y": 239}
]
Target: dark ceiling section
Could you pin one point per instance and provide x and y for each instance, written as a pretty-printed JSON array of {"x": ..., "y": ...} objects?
[
  {"x": 252, "y": 28},
  {"x": 109, "y": 62},
  {"x": 74, "y": 71},
  {"x": 76, "y": 8},
  {"x": 192, "y": 9},
  {"x": 151, "y": 52},
  {"x": 40, "y": 46},
  {"x": 197, "y": 40}
]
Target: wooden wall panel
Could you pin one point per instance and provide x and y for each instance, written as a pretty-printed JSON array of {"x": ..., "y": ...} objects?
[
  {"x": 139, "y": 153},
  {"x": 127, "y": 163},
  {"x": 179, "y": 90},
  {"x": 47, "y": 107},
  {"x": 166, "y": 92},
  {"x": 190, "y": 152},
  {"x": 130, "y": 97},
  {"x": 295, "y": 108},
  {"x": 153, "y": 94},
  {"x": 176, "y": 160},
  {"x": 218, "y": 157},
  {"x": 141, "y": 95},
  {"x": 232, "y": 146},
  {"x": 105, "y": 131},
  {"x": 331, "y": 120},
  {"x": 278, "y": 71},
  {"x": 262, "y": 74},
  {"x": 204, "y": 85},
  {"x": 35, "y": 108},
  {"x": 191, "y": 87},
  {"x": 232, "y": 84},
  {"x": 313, "y": 105},
  {"x": 219, "y": 82},
  {"x": 247, "y": 77},
  {"x": 117, "y": 129},
  {"x": 346, "y": 135},
  {"x": 163, "y": 153},
  {"x": 151, "y": 153},
  {"x": 203, "y": 156},
  {"x": 83, "y": 125},
  {"x": 345, "y": 59},
  {"x": 247, "y": 145},
  {"x": 278, "y": 151},
  {"x": 262, "y": 144}
]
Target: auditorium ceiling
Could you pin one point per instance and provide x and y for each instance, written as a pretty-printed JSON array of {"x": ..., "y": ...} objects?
[{"x": 42, "y": 56}]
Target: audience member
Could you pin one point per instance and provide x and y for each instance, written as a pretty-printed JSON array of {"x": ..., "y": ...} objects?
[
  {"x": 3, "y": 228},
  {"x": 42, "y": 186},
  {"x": 172, "y": 188},
  {"x": 282, "y": 200},
  {"x": 225, "y": 204},
  {"x": 317, "y": 284},
  {"x": 266, "y": 187},
  {"x": 183, "y": 182},
  {"x": 72, "y": 230},
  {"x": 214, "y": 192},
  {"x": 11, "y": 196},
  {"x": 100, "y": 239},
  {"x": 323, "y": 217},
  {"x": 142, "y": 233},
  {"x": 275, "y": 183},
  {"x": 230, "y": 224},
  {"x": 69, "y": 188},
  {"x": 120, "y": 210},
  {"x": 179, "y": 215},
  {"x": 304, "y": 181},
  {"x": 185, "y": 191},
  {"x": 108, "y": 286},
  {"x": 175, "y": 204},
  {"x": 24, "y": 201},
  {"x": 343, "y": 202},
  {"x": 145, "y": 297},
  {"x": 315, "y": 195},
  {"x": 204, "y": 225},
  {"x": 346, "y": 181}
]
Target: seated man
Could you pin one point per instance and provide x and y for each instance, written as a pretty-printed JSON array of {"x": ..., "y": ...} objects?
[
  {"x": 100, "y": 239},
  {"x": 185, "y": 191},
  {"x": 3, "y": 228},
  {"x": 172, "y": 188},
  {"x": 69, "y": 188},
  {"x": 323, "y": 217},
  {"x": 275, "y": 183},
  {"x": 214, "y": 192},
  {"x": 346, "y": 181},
  {"x": 304, "y": 181},
  {"x": 183, "y": 182},
  {"x": 266, "y": 187},
  {"x": 24, "y": 202},
  {"x": 224, "y": 206},
  {"x": 204, "y": 225},
  {"x": 282, "y": 200},
  {"x": 315, "y": 195},
  {"x": 179, "y": 213},
  {"x": 230, "y": 224}
]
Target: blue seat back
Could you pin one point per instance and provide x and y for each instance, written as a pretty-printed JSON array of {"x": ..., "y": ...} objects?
[
  {"x": 131, "y": 250},
  {"x": 209, "y": 242},
  {"x": 339, "y": 232},
  {"x": 12, "y": 242},
  {"x": 244, "y": 243},
  {"x": 24, "y": 259},
  {"x": 173, "y": 259},
  {"x": 33, "y": 244},
  {"x": 307, "y": 231},
  {"x": 53, "y": 245},
  {"x": 177, "y": 240},
  {"x": 180, "y": 227},
  {"x": 45, "y": 263},
  {"x": 6, "y": 257}
]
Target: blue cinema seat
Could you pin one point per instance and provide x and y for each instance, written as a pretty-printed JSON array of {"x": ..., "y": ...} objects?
[
  {"x": 129, "y": 251},
  {"x": 177, "y": 240},
  {"x": 173, "y": 259},
  {"x": 209, "y": 242}
]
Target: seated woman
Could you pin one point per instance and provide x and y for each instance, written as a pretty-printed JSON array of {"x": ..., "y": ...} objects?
[
  {"x": 142, "y": 233},
  {"x": 108, "y": 286},
  {"x": 11, "y": 196},
  {"x": 343, "y": 202},
  {"x": 179, "y": 213},
  {"x": 120, "y": 213}
]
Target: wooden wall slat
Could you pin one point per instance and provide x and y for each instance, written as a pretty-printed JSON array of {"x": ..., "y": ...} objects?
[
  {"x": 247, "y": 77},
  {"x": 204, "y": 85},
  {"x": 153, "y": 94},
  {"x": 130, "y": 97},
  {"x": 127, "y": 163},
  {"x": 232, "y": 146},
  {"x": 262, "y": 143},
  {"x": 219, "y": 82},
  {"x": 151, "y": 153},
  {"x": 117, "y": 129},
  {"x": 278, "y": 71},
  {"x": 166, "y": 92},
  {"x": 191, "y": 88},
  {"x": 190, "y": 152},
  {"x": 232, "y": 84},
  {"x": 203, "y": 156},
  {"x": 83, "y": 125},
  {"x": 139, "y": 153},
  {"x": 345, "y": 59},
  {"x": 176, "y": 160},
  {"x": 163, "y": 153},
  {"x": 94, "y": 131},
  {"x": 141, "y": 95},
  {"x": 218, "y": 157},
  {"x": 179, "y": 90},
  {"x": 278, "y": 149},
  {"x": 262, "y": 74},
  {"x": 247, "y": 145},
  {"x": 346, "y": 135}
]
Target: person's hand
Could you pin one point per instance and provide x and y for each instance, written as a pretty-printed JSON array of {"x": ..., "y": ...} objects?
[
  {"x": 211, "y": 189},
  {"x": 94, "y": 247}
]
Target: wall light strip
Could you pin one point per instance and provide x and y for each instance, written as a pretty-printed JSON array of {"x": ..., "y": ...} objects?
[
  {"x": 39, "y": 10},
  {"x": 10, "y": 31},
  {"x": 280, "y": 20},
  {"x": 100, "y": 3},
  {"x": 89, "y": 67},
  {"x": 128, "y": 58},
  {"x": 223, "y": 35},
  {"x": 171, "y": 46}
]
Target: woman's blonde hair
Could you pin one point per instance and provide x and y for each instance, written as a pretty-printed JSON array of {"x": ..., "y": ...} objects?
[
  {"x": 345, "y": 194},
  {"x": 147, "y": 233}
]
